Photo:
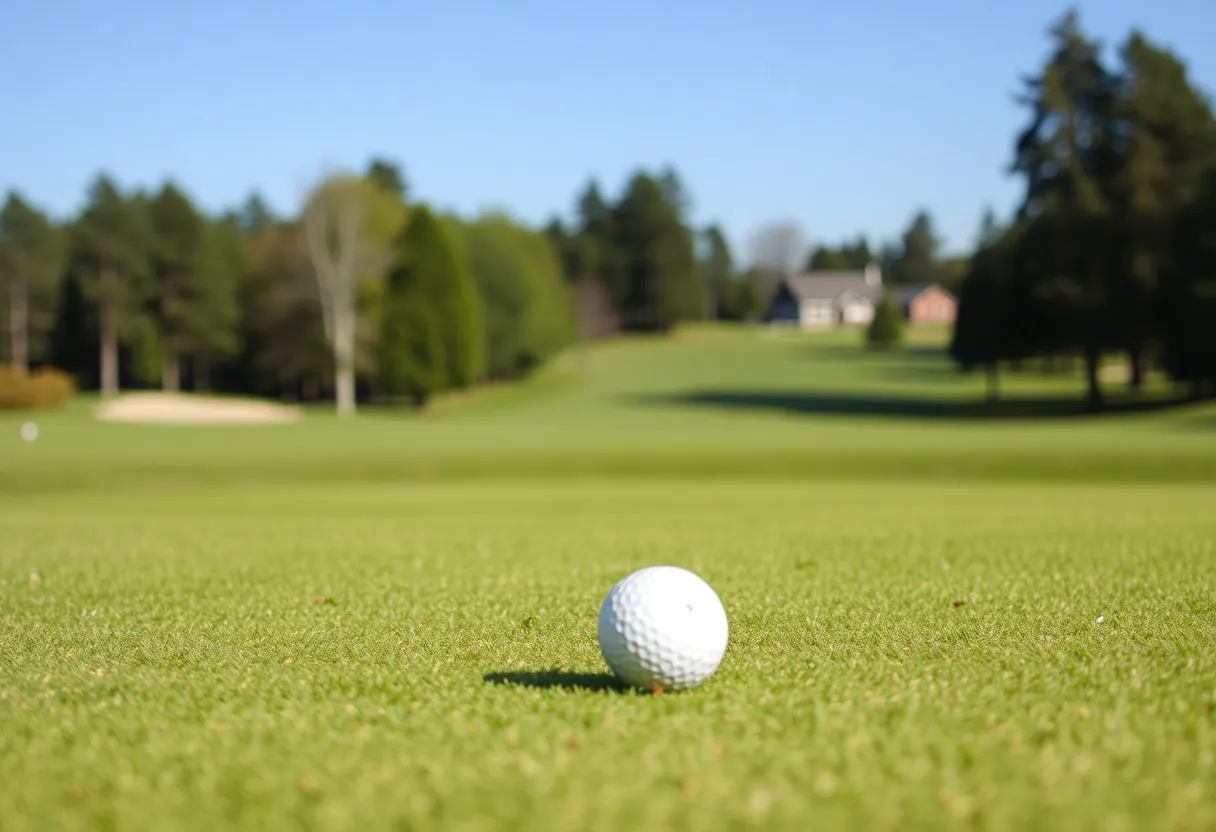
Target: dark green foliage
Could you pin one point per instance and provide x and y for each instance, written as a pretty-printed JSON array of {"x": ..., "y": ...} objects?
[
  {"x": 254, "y": 216},
  {"x": 640, "y": 249},
  {"x": 1167, "y": 142},
  {"x": 111, "y": 246},
  {"x": 74, "y": 334},
  {"x": 1067, "y": 156},
  {"x": 853, "y": 256},
  {"x": 717, "y": 275},
  {"x": 1188, "y": 296},
  {"x": 459, "y": 314},
  {"x": 283, "y": 347},
  {"x": 31, "y": 253},
  {"x": 388, "y": 176},
  {"x": 886, "y": 328},
  {"x": 410, "y": 349},
  {"x": 985, "y": 329},
  {"x": 1111, "y": 159},
  {"x": 744, "y": 297},
  {"x": 919, "y": 258},
  {"x": 656, "y": 283},
  {"x": 195, "y": 263},
  {"x": 110, "y": 254},
  {"x": 430, "y": 290},
  {"x": 527, "y": 308}
]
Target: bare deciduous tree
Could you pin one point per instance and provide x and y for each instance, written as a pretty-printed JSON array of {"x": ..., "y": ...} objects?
[
  {"x": 342, "y": 251},
  {"x": 593, "y": 313},
  {"x": 777, "y": 251}
]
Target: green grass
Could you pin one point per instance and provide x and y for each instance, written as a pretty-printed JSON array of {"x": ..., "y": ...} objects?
[
  {"x": 713, "y": 402},
  {"x": 391, "y": 624}
]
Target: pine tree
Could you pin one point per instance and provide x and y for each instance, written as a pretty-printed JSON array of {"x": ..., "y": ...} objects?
[
  {"x": 110, "y": 257},
  {"x": 410, "y": 348},
  {"x": 886, "y": 328},
  {"x": 431, "y": 336},
  {"x": 30, "y": 268}
]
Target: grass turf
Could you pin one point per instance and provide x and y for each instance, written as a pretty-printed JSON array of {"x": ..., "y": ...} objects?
[{"x": 203, "y": 644}]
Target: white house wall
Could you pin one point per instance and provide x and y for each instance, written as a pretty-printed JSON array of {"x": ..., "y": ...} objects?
[
  {"x": 857, "y": 313},
  {"x": 815, "y": 313}
]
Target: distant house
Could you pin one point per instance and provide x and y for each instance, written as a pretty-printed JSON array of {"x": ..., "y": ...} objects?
[
  {"x": 926, "y": 303},
  {"x": 815, "y": 300}
]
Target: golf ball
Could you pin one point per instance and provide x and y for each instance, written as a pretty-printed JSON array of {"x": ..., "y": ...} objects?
[
  {"x": 663, "y": 627},
  {"x": 29, "y": 431}
]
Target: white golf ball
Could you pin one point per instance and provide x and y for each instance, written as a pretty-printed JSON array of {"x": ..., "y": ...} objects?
[
  {"x": 29, "y": 431},
  {"x": 663, "y": 627}
]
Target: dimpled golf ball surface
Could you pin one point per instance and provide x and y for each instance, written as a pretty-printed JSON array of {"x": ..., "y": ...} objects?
[{"x": 663, "y": 626}]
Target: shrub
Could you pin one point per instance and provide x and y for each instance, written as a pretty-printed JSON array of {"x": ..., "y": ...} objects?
[
  {"x": 46, "y": 387},
  {"x": 886, "y": 329}
]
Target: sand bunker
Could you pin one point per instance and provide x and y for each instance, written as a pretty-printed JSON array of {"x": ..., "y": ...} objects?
[{"x": 192, "y": 409}]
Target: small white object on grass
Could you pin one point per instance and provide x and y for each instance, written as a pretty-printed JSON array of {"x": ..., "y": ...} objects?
[
  {"x": 663, "y": 628},
  {"x": 1101, "y": 618},
  {"x": 29, "y": 431}
]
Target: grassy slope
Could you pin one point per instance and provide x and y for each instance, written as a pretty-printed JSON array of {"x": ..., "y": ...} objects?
[
  {"x": 416, "y": 655},
  {"x": 711, "y": 402}
]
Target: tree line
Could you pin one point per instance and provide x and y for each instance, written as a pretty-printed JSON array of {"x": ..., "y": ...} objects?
[
  {"x": 367, "y": 293},
  {"x": 654, "y": 269},
  {"x": 1113, "y": 245}
]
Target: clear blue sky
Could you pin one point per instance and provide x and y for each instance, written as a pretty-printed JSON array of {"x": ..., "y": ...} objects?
[{"x": 843, "y": 117}]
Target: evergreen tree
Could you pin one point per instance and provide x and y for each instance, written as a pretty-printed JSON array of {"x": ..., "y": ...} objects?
[
  {"x": 717, "y": 269},
  {"x": 430, "y": 291},
  {"x": 1188, "y": 295},
  {"x": 388, "y": 176},
  {"x": 658, "y": 286},
  {"x": 853, "y": 256},
  {"x": 30, "y": 268},
  {"x": 410, "y": 358},
  {"x": 918, "y": 260},
  {"x": 987, "y": 313},
  {"x": 110, "y": 257},
  {"x": 74, "y": 334},
  {"x": 1067, "y": 156},
  {"x": 254, "y": 216},
  {"x": 1167, "y": 139},
  {"x": 886, "y": 327},
  {"x": 194, "y": 270}
]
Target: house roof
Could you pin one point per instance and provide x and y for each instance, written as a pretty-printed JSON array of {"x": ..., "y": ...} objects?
[
  {"x": 830, "y": 286},
  {"x": 906, "y": 294}
]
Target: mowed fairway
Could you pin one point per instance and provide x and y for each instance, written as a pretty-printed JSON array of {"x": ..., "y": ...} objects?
[{"x": 938, "y": 620}]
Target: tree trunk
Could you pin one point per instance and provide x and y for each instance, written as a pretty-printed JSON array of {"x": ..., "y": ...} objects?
[
  {"x": 344, "y": 380},
  {"x": 1136, "y": 359},
  {"x": 108, "y": 336},
  {"x": 992, "y": 377},
  {"x": 1093, "y": 363},
  {"x": 344, "y": 367},
  {"x": 19, "y": 325},
  {"x": 171, "y": 371}
]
